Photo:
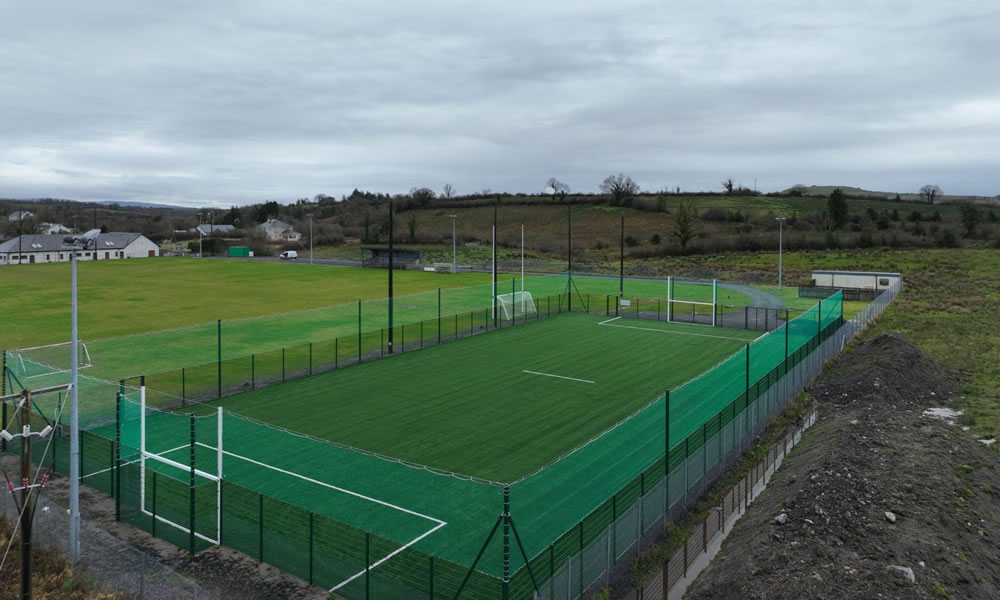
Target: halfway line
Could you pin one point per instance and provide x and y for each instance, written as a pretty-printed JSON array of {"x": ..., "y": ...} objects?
[{"x": 558, "y": 376}]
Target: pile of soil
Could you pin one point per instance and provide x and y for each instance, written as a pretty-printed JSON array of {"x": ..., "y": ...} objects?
[{"x": 878, "y": 501}]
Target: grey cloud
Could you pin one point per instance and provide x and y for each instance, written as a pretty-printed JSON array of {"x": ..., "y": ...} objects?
[{"x": 199, "y": 103}]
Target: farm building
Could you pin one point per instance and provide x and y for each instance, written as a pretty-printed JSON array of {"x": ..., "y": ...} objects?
[
  {"x": 33, "y": 249},
  {"x": 854, "y": 279},
  {"x": 856, "y": 285}
]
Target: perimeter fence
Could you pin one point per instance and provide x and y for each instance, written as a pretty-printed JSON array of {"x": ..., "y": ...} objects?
[
  {"x": 211, "y": 360},
  {"x": 626, "y": 484}
]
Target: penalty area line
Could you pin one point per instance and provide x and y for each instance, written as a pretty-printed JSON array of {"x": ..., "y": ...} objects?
[
  {"x": 718, "y": 337},
  {"x": 557, "y": 376}
]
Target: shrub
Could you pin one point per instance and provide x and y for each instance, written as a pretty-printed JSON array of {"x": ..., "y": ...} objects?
[
  {"x": 947, "y": 239},
  {"x": 631, "y": 242},
  {"x": 655, "y": 239},
  {"x": 716, "y": 214}
]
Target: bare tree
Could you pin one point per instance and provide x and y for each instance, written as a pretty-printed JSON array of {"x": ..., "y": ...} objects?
[
  {"x": 558, "y": 188},
  {"x": 621, "y": 188},
  {"x": 448, "y": 192},
  {"x": 929, "y": 192},
  {"x": 728, "y": 185}
]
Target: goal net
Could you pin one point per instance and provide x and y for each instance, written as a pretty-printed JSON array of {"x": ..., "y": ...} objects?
[{"x": 516, "y": 304}]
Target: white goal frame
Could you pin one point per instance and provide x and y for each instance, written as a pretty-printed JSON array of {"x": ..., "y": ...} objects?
[
  {"x": 714, "y": 303},
  {"x": 145, "y": 455},
  {"x": 508, "y": 304}
]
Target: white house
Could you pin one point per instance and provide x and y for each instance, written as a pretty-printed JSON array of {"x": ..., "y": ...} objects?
[
  {"x": 32, "y": 249},
  {"x": 20, "y": 215},
  {"x": 279, "y": 231},
  {"x": 53, "y": 229}
]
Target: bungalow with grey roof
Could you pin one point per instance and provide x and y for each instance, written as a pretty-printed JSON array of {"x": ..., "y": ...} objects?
[{"x": 31, "y": 249}]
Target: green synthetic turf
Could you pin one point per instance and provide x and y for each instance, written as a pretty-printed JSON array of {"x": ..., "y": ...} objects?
[
  {"x": 469, "y": 408},
  {"x": 466, "y": 407}
]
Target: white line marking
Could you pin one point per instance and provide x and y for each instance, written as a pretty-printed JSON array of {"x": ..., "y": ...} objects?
[
  {"x": 609, "y": 320},
  {"x": 718, "y": 337},
  {"x": 387, "y": 557},
  {"x": 181, "y": 527},
  {"x": 132, "y": 462},
  {"x": 326, "y": 485},
  {"x": 439, "y": 522},
  {"x": 558, "y": 376}
]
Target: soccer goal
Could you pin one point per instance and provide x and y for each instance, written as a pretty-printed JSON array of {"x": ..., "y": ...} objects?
[{"x": 516, "y": 304}]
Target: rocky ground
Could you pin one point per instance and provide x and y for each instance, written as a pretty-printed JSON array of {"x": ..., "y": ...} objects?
[{"x": 881, "y": 500}]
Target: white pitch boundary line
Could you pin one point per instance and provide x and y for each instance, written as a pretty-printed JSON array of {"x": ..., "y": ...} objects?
[
  {"x": 132, "y": 462},
  {"x": 386, "y": 557},
  {"x": 558, "y": 376},
  {"x": 718, "y": 337},
  {"x": 439, "y": 522}
]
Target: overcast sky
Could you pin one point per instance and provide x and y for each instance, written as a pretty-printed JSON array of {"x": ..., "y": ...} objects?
[{"x": 220, "y": 103}]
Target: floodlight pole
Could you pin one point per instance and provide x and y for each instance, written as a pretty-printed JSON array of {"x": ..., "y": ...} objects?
[
  {"x": 200, "y": 236},
  {"x": 621, "y": 258},
  {"x": 454, "y": 253},
  {"x": 74, "y": 425},
  {"x": 781, "y": 224},
  {"x": 390, "y": 273},
  {"x": 311, "y": 237}
]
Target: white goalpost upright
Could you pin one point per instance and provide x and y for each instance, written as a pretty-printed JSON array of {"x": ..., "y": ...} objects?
[{"x": 145, "y": 455}]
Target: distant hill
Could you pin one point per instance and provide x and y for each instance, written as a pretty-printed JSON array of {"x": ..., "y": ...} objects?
[
  {"x": 122, "y": 203},
  {"x": 826, "y": 190}
]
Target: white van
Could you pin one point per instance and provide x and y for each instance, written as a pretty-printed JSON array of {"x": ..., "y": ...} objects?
[{"x": 288, "y": 255}]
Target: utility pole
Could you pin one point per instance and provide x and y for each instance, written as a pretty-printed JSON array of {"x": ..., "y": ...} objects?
[
  {"x": 26, "y": 504},
  {"x": 781, "y": 226}
]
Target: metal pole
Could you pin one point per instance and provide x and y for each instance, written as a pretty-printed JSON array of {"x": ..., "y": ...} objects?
[
  {"x": 74, "y": 428},
  {"x": 621, "y": 257},
  {"x": 569, "y": 257},
  {"x": 454, "y": 253},
  {"x": 505, "y": 593},
  {"x": 781, "y": 224},
  {"x": 310, "y": 238},
  {"x": 390, "y": 276}
]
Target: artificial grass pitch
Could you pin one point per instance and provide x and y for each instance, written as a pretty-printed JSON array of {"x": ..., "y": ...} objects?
[
  {"x": 469, "y": 407},
  {"x": 501, "y": 405}
]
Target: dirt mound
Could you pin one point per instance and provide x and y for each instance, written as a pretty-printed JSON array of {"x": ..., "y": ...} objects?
[
  {"x": 886, "y": 369},
  {"x": 878, "y": 501}
]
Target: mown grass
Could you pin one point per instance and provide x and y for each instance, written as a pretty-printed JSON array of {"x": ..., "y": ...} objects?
[{"x": 948, "y": 308}]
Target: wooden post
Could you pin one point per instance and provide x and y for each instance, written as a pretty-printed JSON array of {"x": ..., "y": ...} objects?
[{"x": 27, "y": 506}]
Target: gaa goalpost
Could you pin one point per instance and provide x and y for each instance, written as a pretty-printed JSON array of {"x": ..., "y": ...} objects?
[
  {"x": 672, "y": 299},
  {"x": 145, "y": 455}
]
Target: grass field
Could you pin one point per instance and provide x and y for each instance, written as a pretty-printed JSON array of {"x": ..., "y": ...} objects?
[{"x": 471, "y": 407}]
